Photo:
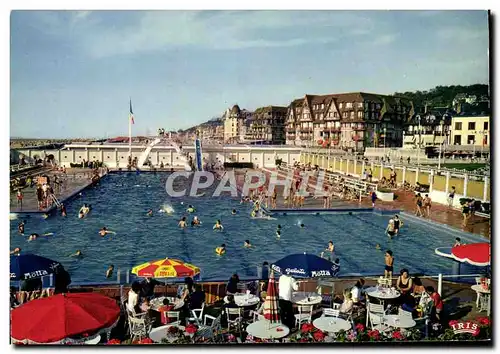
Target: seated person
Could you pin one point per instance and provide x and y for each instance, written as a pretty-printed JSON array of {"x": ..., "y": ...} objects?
[
  {"x": 232, "y": 285},
  {"x": 164, "y": 309},
  {"x": 197, "y": 298},
  {"x": 357, "y": 292},
  {"x": 347, "y": 304},
  {"x": 437, "y": 306},
  {"x": 145, "y": 306},
  {"x": 404, "y": 283}
]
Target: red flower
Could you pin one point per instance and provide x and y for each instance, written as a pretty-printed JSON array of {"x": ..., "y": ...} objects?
[
  {"x": 146, "y": 341},
  {"x": 303, "y": 340},
  {"x": 191, "y": 329},
  {"x": 85, "y": 335},
  {"x": 360, "y": 327},
  {"x": 306, "y": 328},
  {"x": 319, "y": 336},
  {"x": 374, "y": 334},
  {"x": 113, "y": 341},
  {"x": 452, "y": 322},
  {"x": 483, "y": 321},
  {"x": 397, "y": 335}
]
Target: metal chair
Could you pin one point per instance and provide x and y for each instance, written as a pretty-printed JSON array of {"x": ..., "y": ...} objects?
[
  {"x": 330, "y": 313},
  {"x": 256, "y": 316},
  {"x": 212, "y": 331},
  {"x": 304, "y": 315},
  {"x": 172, "y": 314},
  {"x": 236, "y": 321},
  {"x": 197, "y": 314},
  {"x": 375, "y": 309},
  {"x": 139, "y": 328}
]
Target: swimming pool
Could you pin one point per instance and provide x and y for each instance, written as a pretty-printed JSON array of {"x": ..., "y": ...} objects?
[{"x": 121, "y": 201}]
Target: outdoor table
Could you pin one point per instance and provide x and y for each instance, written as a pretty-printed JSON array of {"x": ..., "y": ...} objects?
[
  {"x": 398, "y": 321},
  {"x": 243, "y": 300},
  {"x": 479, "y": 289},
  {"x": 93, "y": 341},
  {"x": 382, "y": 293},
  {"x": 265, "y": 330},
  {"x": 156, "y": 303},
  {"x": 331, "y": 324},
  {"x": 158, "y": 333},
  {"x": 306, "y": 299}
]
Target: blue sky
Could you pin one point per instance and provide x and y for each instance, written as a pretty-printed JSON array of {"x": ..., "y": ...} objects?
[{"x": 72, "y": 72}]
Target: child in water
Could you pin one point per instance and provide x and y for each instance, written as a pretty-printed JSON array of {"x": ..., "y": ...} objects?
[
  {"x": 247, "y": 244},
  {"x": 278, "y": 233},
  {"x": 218, "y": 225},
  {"x": 190, "y": 209},
  {"x": 377, "y": 246},
  {"x": 221, "y": 249},
  {"x": 109, "y": 272},
  {"x": 233, "y": 212},
  {"x": 195, "y": 221},
  {"x": 302, "y": 226},
  {"x": 150, "y": 212},
  {"x": 104, "y": 231},
  {"x": 78, "y": 253},
  {"x": 182, "y": 222}
]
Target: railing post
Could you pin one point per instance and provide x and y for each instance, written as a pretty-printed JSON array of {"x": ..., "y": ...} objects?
[
  {"x": 485, "y": 189},
  {"x": 381, "y": 170},
  {"x": 127, "y": 277},
  {"x": 404, "y": 175},
  {"x": 431, "y": 180},
  {"x": 466, "y": 181},
  {"x": 440, "y": 284},
  {"x": 447, "y": 184},
  {"x": 118, "y": 276},
  {"x": 416, "y": 175}
]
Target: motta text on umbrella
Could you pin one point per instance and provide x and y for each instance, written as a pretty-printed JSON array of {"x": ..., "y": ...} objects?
[
  {"x": 320, "y": 273},
  {"x": 35, "y": 274}
]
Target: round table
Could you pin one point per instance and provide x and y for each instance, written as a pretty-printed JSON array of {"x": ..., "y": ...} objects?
[
  {"x": 158, "y": 333},
  {"x": 306, "y": 299},
  {"x": 157, "y": 302},
  {"x": 265, "y": 330},
  {"x": 382, "y": 293},
  {"x": 243, "y": 300},
  {"x": 331, "y": 324},
  {"x": 479, "y": 289},
  {"x": 93, "y": 341},
  {"x": 399, "y": 321}
]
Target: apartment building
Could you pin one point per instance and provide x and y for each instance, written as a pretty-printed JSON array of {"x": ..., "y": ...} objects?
[
  {"x": 428, "y": 129},
  {"x": 470, "y": 130},
  {"x": 267, "y": 125},
  {"x": 347, "y": 120}
]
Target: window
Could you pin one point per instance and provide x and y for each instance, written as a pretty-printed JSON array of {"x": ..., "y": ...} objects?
[
  {"x": 322, "y": 106},
  {"x": 340, "y": 105},
  {"x": 321, "y": 116},
  {"x": 348, "y": 105},
  {"x": 485, "y": 126},
  {"x": 485, "y": 140},
  {"x": 352, "y": 114},
  {"x": 360, "y": 105},
  {"x": 360, "y": 114},
  {"x": 378, "y": 106},
  {"x": 335, "y": 114},
  {"x": 458, "y": 126},
  {"x": 472, "y": 125}
]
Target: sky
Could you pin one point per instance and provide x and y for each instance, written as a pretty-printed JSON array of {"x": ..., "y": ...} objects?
[{"x": 73, "y": 72}]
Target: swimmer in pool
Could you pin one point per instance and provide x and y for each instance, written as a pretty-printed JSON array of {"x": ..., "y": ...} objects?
[
  {"x": 81, "y": 215},
  {"x": 377, "y": 246},
  {"x": 190, "y": 209},
  {"x": 16, "y": 251},
  {"x": 278, "y": 233},
  {"x": 331, "y": 247},
  {"x": 390, "y": 228},
  {"x": 195, "y": 221},
  {"x": 218, "y": 225},
  {"x": 45, "y": 216},
  {"x": 104, "y": 231},
  {"x": 221, "y": 249},
  {"x": 109, "y": 272},
  {"x": 33, "y": 237},
  {"x": 78, "y": 253},
  {"x": 233, "y": 212},
  {"x": 397, "y": 224},
  {"x": 302, "y": 226},
  {"x": 20, "y": 227},
  {"x": 150, "y": 212},
  {"x": 182, "y": 222},
  {"x": 247, "y": 244}
]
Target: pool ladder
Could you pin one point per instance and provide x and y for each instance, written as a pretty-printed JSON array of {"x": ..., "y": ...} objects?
[{"x": 54, "y": 199}]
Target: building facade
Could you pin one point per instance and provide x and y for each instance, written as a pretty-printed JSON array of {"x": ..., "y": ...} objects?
[
  {"x": 427, "y": 129},
  {"x": 348, "y": 120},
  {"x": 470, "y": 130},
  {"x": 267, "y": 125}
]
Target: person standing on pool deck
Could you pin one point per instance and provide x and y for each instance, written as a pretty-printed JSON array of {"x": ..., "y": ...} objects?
[
  {"x": 389, "y": 264},
  {"x": 419, "y": 205},
  {"x": 374, "y": 198},
  {"x": 427, "y": 205},
  {"x": 451, "y": 196},
  {"x": 287, "y": 285}
]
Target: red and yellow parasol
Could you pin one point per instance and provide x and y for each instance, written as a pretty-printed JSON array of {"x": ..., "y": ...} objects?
[{"x": 166, "y": 268}]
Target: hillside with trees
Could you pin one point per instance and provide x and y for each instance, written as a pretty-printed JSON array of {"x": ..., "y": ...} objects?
[{"x": 443, "y": 96}]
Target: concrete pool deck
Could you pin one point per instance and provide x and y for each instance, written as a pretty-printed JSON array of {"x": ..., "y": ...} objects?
[{"x": 76, "y": 180}]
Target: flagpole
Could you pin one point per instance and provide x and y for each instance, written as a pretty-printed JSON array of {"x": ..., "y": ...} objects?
[{"x": 130, "y": 131}]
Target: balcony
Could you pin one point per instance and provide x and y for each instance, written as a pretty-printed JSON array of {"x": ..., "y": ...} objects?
[
  {"x": 305, "y": 129},
  {"x": 290, "y": 129}
]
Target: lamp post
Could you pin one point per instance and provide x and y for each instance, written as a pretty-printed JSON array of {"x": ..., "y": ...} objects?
[
  {"x": 440, "y": 146},
  {"x": 419, "y": 142},
  {"x": 385, "y": 131}
]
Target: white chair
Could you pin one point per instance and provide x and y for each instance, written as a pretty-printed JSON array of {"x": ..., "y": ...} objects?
[
  {"x": 385, "y": 282},
  {"x": 256, "y": 316},
  {"x": 336, "y": 306},
  {"x": 404, "y": 313},
  {"x": 139, "y": 328},
  {"x": 478, "y": 280},
  {"x": 172, "y": 315},
  {"x": 330, "y": 312},
  {"x": 374, "y": 309},
  {"x": 377, "y": 322},
  {"x": 242, "y": 287},
  {"x": 234, "y": 318},
  {"x": 197, "y": 314},
  {"x": 304, "y": 315}
]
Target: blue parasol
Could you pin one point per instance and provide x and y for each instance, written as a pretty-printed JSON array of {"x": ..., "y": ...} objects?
[
  {"x": 302, "y": 265},
  {"x": 31, "y": 266}
]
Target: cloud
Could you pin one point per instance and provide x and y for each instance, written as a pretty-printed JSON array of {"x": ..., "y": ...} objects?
[
  {"x": 385, "y": 39},
  {"x": 102, "y": 34}
]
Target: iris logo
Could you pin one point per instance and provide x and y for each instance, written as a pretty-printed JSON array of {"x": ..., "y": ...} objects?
[{"x": 466, "y": 327}]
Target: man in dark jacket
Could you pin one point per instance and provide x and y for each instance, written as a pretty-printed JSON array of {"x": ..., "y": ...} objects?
[{"x": 148, "y": 287}]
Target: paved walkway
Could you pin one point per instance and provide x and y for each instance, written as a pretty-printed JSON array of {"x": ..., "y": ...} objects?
[{"x": 74, "y": 181}]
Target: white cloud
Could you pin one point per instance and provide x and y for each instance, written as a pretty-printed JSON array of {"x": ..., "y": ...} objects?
[{"x": 385, "y": 39}]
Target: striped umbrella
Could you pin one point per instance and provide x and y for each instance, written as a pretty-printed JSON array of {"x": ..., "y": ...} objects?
[
  {"x": 271, "y": 312},
  {"x": 166, "y": 268}
]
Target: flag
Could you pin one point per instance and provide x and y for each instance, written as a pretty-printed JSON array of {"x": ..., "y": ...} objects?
[{"x": 131, "y": 113}]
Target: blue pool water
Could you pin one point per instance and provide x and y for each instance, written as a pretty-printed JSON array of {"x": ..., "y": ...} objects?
[{"x": 121, "y": 201}]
